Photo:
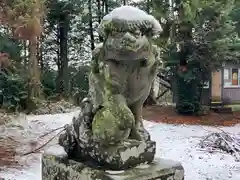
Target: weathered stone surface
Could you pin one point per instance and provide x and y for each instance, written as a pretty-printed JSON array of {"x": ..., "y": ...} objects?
[
  {"x": 123, "y": 156},
  {"x": 109, "y": 129},
  {"x": 63, "y": 169}
]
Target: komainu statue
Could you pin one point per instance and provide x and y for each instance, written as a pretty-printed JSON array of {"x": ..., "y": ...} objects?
[{"x": 109, "y": 130}]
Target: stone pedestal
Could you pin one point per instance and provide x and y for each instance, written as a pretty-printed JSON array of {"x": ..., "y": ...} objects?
[
  {"x": 61, "y": 168},
  {"x": 120, "y": 157}
]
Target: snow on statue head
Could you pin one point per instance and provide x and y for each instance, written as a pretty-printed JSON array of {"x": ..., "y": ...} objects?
[
  {"x": 127, "y": 33},
  {"x": 128, "y": 18}
]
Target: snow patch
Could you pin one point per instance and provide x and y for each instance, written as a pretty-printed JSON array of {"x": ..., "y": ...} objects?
[
  {"x": 56, "y": 150},
  {"x": 130, "y": 13},
  {"x": 176, "y": 142}
]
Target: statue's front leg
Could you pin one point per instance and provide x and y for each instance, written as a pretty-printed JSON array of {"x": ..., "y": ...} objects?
[
  {"x": 80, "y": 127},
  {"x": 138, "y": 131}
]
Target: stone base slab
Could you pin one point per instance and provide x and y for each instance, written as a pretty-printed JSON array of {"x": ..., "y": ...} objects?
[
  {"x": 61, "y": 168},
  {"x": 124, "y": 156}
]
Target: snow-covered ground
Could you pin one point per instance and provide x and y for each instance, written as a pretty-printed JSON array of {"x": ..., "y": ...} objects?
[{"x": 176, "y": 142}]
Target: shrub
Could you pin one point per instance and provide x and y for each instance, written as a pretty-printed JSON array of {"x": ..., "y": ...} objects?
[
  {"x": 13, "y": 92},
  {"x": 48, "y": 80}
]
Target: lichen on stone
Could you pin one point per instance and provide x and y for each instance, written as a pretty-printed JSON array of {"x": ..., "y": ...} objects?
[{"x": 113, "y": 123}]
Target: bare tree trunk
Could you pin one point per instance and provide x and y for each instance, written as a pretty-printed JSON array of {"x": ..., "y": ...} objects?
[
  {"x": 64, "y": 57},
  {"x": 103, "y": 7},
  {"x": 62, "y": 63},
  {"x": 59, "y": 64},
  {"x": 99, "y": 16},
  {"x": 25, "y": 61},
  {"x": 39, "y": 53},
  {"x": 91, "y": 24},
  {"x": 106, "y": 7},
  {"x": 34, "y": 88},
  {"x": 148, "y": 6},
  {"x": 99, "y": 11},
  {"x": 40, "y": 48}
]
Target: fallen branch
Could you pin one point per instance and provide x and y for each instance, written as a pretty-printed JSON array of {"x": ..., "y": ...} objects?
[
  {"x": 164, "y": 92},
  {"x": 42, "y": 146},
  {"x": 51, "y": 131},
  {"x": 222, "y": 141},
  {"x": 213, "y": 150},
  {"x": 164, "y": 83},
  {"x": 233, "y": 148}
]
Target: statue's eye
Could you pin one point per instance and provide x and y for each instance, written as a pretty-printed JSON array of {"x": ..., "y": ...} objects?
[{"x": 143, "y": 62}]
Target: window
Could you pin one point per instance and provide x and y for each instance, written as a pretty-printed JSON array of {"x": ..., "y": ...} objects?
[
  {"x": 226, "y": 74},
  {"x": 231, "y": 77},
  {"x": 227, "y": 77}
]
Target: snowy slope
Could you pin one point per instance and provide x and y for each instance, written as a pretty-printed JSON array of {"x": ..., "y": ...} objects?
[{"x": 173, "y": 142}]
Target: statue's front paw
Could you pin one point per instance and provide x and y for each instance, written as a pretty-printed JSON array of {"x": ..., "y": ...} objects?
[
  {"x": 67, "y": 140},
  {"x": 140, "y": 134},
  {"x": 135, "y": 135},
  {"x": 143, "y": 132}
]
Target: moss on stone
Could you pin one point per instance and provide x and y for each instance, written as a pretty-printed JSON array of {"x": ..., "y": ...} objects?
[
  {"x": 113, "y": 123},
  {"x": 121, "y": 25}
]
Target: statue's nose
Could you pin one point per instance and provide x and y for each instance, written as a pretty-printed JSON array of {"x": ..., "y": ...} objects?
[{"x": 128, "y": 38}]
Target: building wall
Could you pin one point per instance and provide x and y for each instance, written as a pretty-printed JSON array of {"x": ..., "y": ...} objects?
[
  {"x": 231, "y": 95},
  {"x": 218, "y": 91}
]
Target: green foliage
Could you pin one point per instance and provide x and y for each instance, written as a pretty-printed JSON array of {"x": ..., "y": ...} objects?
[
  {"x": 59, "y": 10},
  {"x": 79, "y": 83},
  {"x": 10, "y": 46},
  {"x": 48, "y": 80},
  {"x": 13, "y": 93},
  {"x": 235, "y": 15},
  {"x": 189, "y": 96},
  {"x": 78, "y": 86},
  {"x": 214, "y": 41}
]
